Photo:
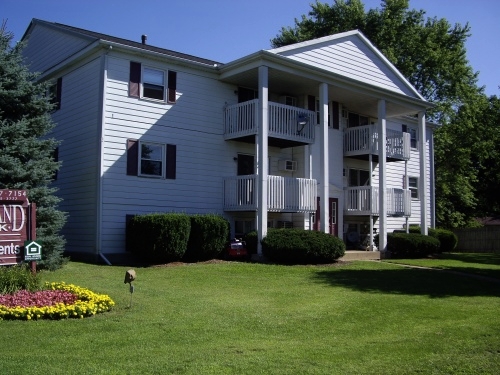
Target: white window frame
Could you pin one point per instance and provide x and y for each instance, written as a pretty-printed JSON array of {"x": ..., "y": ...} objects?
[
  {"x": 413, "y": 187},
  {"x": 144, "y": 82},
  {"x": 413, "y": 137},
  {"x": 161, "y": 160}
]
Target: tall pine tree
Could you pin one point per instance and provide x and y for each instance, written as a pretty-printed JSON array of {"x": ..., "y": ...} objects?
[{"x": 26, "y": 153}]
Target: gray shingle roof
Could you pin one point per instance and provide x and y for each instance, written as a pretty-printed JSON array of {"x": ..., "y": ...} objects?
[{"x": 146, "y": 47}]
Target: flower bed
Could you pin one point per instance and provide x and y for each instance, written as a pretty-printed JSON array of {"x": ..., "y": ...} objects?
[{"x": 57, "y": 301}]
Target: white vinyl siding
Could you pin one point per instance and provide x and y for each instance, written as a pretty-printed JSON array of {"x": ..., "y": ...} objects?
[
  {"x": 47, "y": 47},
  {"x": 77, "y": 125},
  {"x": 351, "y": 58},
  {"x": 193, "y": 124}
]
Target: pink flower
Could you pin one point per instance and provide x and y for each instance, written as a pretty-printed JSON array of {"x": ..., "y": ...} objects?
[{"x": 24, "y": 298}]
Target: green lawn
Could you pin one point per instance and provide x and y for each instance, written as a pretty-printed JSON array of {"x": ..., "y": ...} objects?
[
  {"x": 482, "y": 264},
  {"x": 243, "y": 318}
]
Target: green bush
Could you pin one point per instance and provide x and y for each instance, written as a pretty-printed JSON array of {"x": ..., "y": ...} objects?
[
  {"x": 159, "y": 237},
  {"x": 298, "y": 246},
  {"x": 411, "y": 245},
  {"x": 447, "y": 238},
  {"x": 19, "y": 277},
  {"x": 208, "y": 237}
]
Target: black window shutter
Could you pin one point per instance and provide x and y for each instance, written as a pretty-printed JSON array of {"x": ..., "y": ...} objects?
[
  {"x": 170, "y": 171},
  {"x": 132, "y": 157},
  {"x": 335, "y": 115},
  {"x": 172, "y": 86},
  {"x": 135, "y": 79},
  {"x": 59, "y": 93}
]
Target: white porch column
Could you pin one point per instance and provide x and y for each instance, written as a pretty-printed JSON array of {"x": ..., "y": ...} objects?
[
  {"x": 422, "y": 185},
  {"x": 308, "y": 174},
  {"x": 382, "y": 176},
  {"x": 262, "y": 157},
  {"x": 325, "y": 179}
]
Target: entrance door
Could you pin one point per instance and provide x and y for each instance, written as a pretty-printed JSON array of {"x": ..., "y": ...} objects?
[{"x": 333, "y": 220}]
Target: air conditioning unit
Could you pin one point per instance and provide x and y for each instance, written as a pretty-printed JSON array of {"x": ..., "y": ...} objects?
[{"x": 287, "y": 165}]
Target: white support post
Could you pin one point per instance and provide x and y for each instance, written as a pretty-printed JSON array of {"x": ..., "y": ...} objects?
[
  {"x": 262, "y": 157},
  {"x": 422, "y": 186},
  {"x": 382, "y": 178},
  {"x": 325, "y": 179},
  {"x": 308, "y": 174}
]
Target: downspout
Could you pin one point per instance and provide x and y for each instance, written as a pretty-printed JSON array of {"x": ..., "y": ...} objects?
[{"x": 101, "y": 128}]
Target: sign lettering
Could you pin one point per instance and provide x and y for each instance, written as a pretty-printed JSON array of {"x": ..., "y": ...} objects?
[{"x": 14, "y": 223}]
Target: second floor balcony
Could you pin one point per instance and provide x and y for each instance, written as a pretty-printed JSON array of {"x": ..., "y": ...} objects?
[
  {"x": 284, "y": 194},
  {"x": 288, "y": 126},
  {"x": 364, "y": 201},
  {"x": 361, "y": 141}
]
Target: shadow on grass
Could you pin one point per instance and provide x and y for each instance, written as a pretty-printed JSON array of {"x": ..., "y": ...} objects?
[
  {"x": 408, "y": 281},
  {"x": 481, "y": 258}
]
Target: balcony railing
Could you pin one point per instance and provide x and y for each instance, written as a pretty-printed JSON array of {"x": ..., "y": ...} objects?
[
  {"x": 285, "y": 122},
  {"x": 363, "y": 140},
  {"x": 364, "y": 200},
  {"x": 284, "y": 194}
]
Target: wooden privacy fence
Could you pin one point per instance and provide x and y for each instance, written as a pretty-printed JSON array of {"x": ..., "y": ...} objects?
[{"x": 479, "y": 240}]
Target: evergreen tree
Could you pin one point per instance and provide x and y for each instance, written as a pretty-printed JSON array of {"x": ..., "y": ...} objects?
[{"x": 26, "y": 153}]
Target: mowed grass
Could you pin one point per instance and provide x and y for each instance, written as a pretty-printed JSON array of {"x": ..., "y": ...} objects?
[
  {"x": 244, "y": 318},
  {"x": 481, "y": 264}
]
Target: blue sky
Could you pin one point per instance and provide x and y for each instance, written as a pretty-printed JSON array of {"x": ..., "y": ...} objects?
[{"x": 224, "y": 30}]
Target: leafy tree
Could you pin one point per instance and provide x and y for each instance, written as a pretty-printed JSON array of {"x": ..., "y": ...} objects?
[
  {"x": 431, "y": 54},
  {"x": 26, "y": 154}
]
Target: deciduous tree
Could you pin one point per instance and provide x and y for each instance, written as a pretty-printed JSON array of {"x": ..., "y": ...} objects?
[{"x": 431, "y": 54}]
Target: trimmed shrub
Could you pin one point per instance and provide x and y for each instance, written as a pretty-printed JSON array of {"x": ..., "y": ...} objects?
[
  {"x": 448, "y": 240},
  {"x": 298, "y": 246},
  {"x": 159, "y": 237},
  {"x": 18, "y": 277},
  {"x": 411, "y": 245},
  {"x": 208, "y": 237}
]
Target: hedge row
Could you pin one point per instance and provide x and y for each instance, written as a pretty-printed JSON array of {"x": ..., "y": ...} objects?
[
  {"x": 447, "y": 239},
  {"x": 169, "y": 237},
  {"x": 411, "y": 245},
  {"x": 298, "y": 246}
]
